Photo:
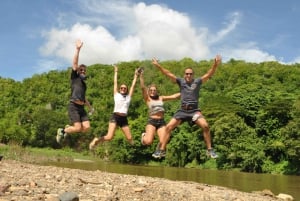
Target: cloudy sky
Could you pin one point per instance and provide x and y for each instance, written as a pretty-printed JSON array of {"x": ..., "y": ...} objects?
[{"x": 39, "y": 35}]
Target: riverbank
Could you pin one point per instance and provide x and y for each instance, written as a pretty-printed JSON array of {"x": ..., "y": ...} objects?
[{"x": 29, "y": 182}]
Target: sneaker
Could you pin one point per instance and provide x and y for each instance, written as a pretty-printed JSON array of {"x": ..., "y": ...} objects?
[
  {"x": 159, "y": 154},
  {"x": 162, "y": 153},
  {"x": 157, "y": 147},
  {"x": 60, "y": 135},
  {"x": 211, "y": 153},
  {"x": 143, "y": 134},
  {"x": 94, "y": 143}
]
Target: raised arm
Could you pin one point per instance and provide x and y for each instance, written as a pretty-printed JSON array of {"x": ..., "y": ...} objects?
[
  {"x": 212, "y": 70},
  {"x": 171, "y": 97},
  {"x": 163, "y": 70},
  {"x": 133, "y": 83},
  {"x": 143, "y": 87},
  {"x": 79, "y": 44},
  {"x": 115, "y": 79}
]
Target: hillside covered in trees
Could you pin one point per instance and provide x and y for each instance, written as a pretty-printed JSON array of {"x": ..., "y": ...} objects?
[{"x": 253, "y": 110}]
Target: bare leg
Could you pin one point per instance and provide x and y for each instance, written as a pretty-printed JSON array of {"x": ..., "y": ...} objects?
[
  {"x": 127, "y": 134},
  {"x": 149, "y": 135},
  {"x": 206, "y": 131}
]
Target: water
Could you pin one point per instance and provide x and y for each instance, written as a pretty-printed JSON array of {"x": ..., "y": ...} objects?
[{"x": 246, "y": 182}]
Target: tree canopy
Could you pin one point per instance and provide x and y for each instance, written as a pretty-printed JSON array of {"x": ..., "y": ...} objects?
[{"x": 253, "y": 110}]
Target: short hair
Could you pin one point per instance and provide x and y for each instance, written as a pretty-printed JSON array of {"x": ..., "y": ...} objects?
[
  {"x": 82, "y": 66},
  {"x": 189, "y": 68}
]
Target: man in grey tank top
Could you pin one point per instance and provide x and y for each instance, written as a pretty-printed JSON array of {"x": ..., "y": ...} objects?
[{"x": 189, "y": 110}]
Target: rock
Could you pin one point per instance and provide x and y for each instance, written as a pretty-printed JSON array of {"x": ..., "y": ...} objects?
[
  {"x": 4, "y": 188},
  {"x": 69, "y": 196},
  {"x": 285, "y": 197}
]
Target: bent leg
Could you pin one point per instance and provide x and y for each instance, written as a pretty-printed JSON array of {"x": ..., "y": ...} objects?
[
  {"x": 110, "y": 133},
  {"x": 127, "y": 134},
  {"x": 173, "y": 123},
  {"x": 206, "y": 131},
  {"x": 147, "y": 139},
  {"x": 76, "y": 128},
  {"x": 86, "y": 126}
]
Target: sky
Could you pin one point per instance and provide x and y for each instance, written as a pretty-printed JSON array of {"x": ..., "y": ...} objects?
[{"x": 38, "y": 36}]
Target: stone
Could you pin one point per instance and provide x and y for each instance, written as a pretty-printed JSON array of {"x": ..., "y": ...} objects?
[
  {"x": 285, "y": 197},
  {"x": 68, "y": 196}
]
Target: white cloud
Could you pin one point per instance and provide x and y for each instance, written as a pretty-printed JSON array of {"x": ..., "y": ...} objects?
[
  {"x": 114, "y": 31},
  {"x": 99, "y": 45},
  {"x": 248, "y": 52},
  {"x": 230, "y": 27},
  {"x": 155, "y": 31},
  {"x": 296, "y": 60}
]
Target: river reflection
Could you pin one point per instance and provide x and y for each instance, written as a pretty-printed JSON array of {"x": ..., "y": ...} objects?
[{"x": 246, "y": 182}]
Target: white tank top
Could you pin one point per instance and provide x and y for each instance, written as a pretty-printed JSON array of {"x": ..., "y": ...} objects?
[{"x": 121, "y": 103}]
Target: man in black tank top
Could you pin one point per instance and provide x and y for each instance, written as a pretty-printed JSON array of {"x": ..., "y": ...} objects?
[
  {"x": 189, "y": 110},
  {"x": 77, "y": 114}
]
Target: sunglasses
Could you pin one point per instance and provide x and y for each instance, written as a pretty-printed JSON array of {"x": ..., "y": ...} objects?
[
  {"x": 82, "y": 70},
  {"x": 188, "y": 73},
  {"x": 123, "y": 88}
]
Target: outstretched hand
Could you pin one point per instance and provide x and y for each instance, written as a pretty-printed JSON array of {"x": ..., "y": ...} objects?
[
  {"x": 218, "y": 59},
  {"x": 91, "y": 112},
  {"x": 79, "y": 44},
  {"x": 155, "y": 61}
]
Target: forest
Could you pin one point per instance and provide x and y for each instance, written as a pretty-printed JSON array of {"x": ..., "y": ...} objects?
[{"x": 253, "y": 110}]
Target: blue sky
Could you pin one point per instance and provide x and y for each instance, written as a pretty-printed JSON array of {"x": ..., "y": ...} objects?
[{"x": 39, "y": 35}]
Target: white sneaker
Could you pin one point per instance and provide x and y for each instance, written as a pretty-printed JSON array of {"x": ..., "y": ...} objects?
[
  {"x": 59, "y": 135},
  {"x": 142, "y": 138},
  {"x": 94, "y": 143}
]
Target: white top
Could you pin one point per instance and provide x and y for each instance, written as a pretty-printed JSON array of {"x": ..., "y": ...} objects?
[{"x": 121, "y": 103}]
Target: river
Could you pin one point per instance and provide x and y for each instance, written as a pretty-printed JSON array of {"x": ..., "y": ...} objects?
[{"x": 246, "y": 182}]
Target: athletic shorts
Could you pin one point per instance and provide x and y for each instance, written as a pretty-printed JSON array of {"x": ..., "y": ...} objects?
[
  {"x": 189, "y": 116},
  {"x": 77, "y": 113},
  {"x": 157, "y": 123},
  {"x": 119, "y": 120}
]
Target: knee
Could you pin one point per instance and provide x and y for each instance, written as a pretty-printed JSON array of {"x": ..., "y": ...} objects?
[
  {"x": 77, "y": 129},
  {"x": 85, "y": 129},
  {"x": 129, "y": 138},
  {"x": 108, "y": 137},
  {"x": 147, "y": 141},
  {"x": 168, "y": 129},
  {"x": 205, "y": 127}
]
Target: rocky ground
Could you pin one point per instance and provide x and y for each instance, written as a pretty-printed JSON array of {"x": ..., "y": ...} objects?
[{"x": 23, "y": 182}]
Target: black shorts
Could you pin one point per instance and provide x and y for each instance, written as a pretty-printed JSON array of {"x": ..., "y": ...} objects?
[
  {"x": 157, "y": 123},
  {"x": 77, "y": 113},
  {"x": 119, "y": 120},
  {"x": 188, "y": 115}
]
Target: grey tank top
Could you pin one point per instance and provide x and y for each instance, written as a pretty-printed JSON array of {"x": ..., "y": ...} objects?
[{"x": 156, "y": 106}]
